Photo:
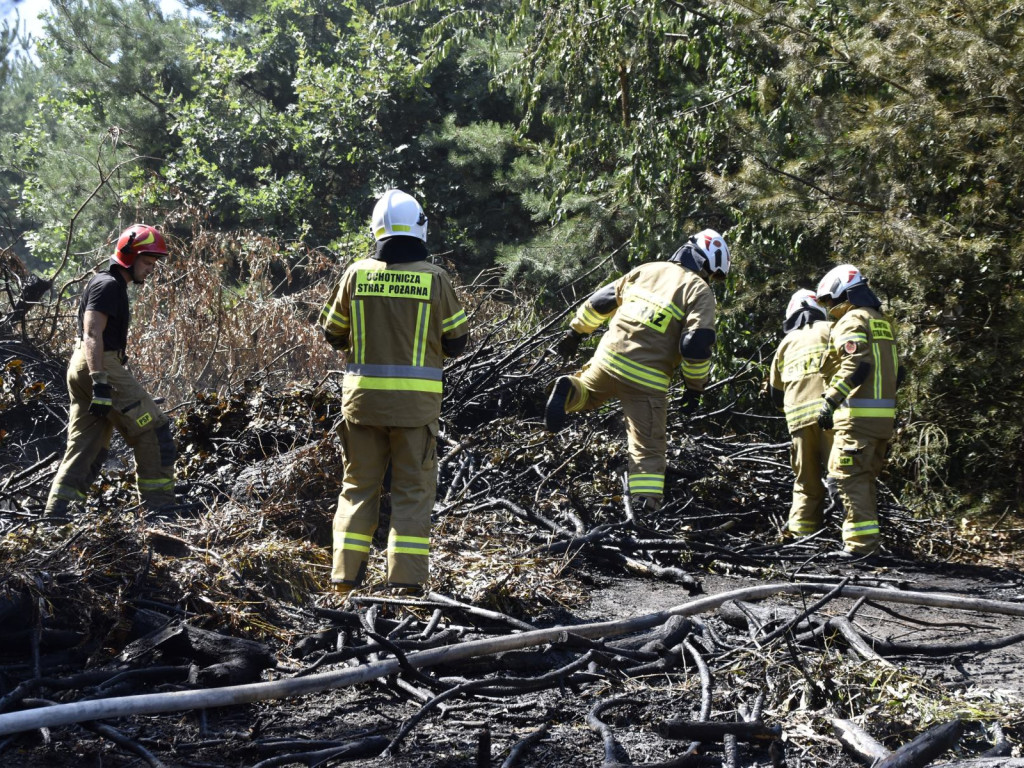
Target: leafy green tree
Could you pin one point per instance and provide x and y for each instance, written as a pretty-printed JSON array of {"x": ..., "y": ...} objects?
[
  {"x": 97, "y": 132},
  {"x": 18, "y": 77},
  {"x": 884, "y": 134}
]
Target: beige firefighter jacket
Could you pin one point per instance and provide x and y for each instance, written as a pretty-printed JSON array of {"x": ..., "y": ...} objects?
[
  {"x": 861, "y": 368},
  {"x": 390, "y": 320},
  {"x": 794, "y": 371},
  {"x": 651, "y": 309}
]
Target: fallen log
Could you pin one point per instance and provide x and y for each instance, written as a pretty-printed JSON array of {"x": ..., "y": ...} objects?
[
  {"x": 858, "y": 741},
  {"x": 926, "y": 747},
  {"x": 221, "y": 659},
  {"x": 175, "y": 701}
]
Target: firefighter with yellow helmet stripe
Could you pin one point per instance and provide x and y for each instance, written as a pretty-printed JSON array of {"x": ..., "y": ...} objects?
[
  {"x": 862, "y": 371},
  {"x": 796, "y": 387},
  {"x": 396, "y": 318},
  {"x": 661, "y": 316}
]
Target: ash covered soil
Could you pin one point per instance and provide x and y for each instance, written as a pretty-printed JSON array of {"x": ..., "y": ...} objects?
[{"x": 700, "y": 637}]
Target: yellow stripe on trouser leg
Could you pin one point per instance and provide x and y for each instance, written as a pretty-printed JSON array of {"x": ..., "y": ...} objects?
[
  {"x": 413, "y": 491},
  {"x": 146, "y": 429},
  {"x": 646, "y": 484},
  {"x": 645, "y": 415},
  {"x": 88, "y": 437},
  {"x": 808, "y": 456},
  {"x": 855, "y": 463},
  {"x": 591, "y": 389},
  {"x": 366, "y": 454}
]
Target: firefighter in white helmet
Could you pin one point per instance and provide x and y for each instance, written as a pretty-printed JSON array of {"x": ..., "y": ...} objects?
[
  {"x": 396, "y": 318},
  {"x": 661, "y": 316},
  {"x": 862, "y": 372},
  {"x": 104, "y": 394},
  {"x": 796, "y": 387}
]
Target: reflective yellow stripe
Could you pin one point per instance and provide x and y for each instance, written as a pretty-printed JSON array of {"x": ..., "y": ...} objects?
[
  {"x": 876, "y": 356},
  {"x": 358, "y": 332},
  {"x": 863, "y": 528},
  {"x": 650, "y": 484},
  {"x": 155, "y": 484},
  {"x": 696, "y": 370},
  {"x": 636, "y": 372},
  {"x": 800, "y": 411},
  {"x": 453, "y": 322},
  {"x": 356, "y": 542},
  {"x": 409, "y": 545},
  {"x": 419, "y": 342},
  {"x": 392, "y": 383},
  {"x": 589, "y": 319},
  {"x": 877, "y": 413},
  {"x": 331, "y": 318},
  {"x": 860, "y": 338}
]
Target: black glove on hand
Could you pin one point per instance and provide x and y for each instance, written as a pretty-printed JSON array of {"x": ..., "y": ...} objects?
[
  {"x": 569, "y": 343},
  {"x": 825, "y": 414},
  {"x": 102, "y": 399},
  {"x": 691, "y": 399}
]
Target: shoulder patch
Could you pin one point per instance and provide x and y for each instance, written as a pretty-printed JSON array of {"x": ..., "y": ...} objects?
[{"x": 850, "y": 347}]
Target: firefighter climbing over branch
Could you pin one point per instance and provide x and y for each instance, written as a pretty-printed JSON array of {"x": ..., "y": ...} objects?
[{"x": 661, "y": 316}]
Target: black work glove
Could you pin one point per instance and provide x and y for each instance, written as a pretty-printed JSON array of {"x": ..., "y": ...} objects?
[
  {"x": 102, "y": 395},
  {"x": 691, "y": 399},
  {"x": 569, "y": 343},
  {"x": 825, "y": 414}
]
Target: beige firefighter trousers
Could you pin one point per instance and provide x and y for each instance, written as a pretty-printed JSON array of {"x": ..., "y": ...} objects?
[
  {"x": 146, "y": 430},
  {"x": 855, "y": 463},
  {"x": 645, "y": 413},
  {"x": 808, "y": 456},
  {"x": 412, "y": 453}
]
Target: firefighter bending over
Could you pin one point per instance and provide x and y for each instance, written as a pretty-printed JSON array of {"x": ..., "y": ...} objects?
[
  {"x": 660, "y": 316},
  {"x": 104, "y": 394},
  {"x": 396, "y": 318},
  {"x": 861, "y": 371},
  {"x": 796, "y": 386}
]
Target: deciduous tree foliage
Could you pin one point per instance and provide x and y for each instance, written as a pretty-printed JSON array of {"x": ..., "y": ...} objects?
[
  {"x": 580, "y": 137},
  {"x": 888, "y": 133}
]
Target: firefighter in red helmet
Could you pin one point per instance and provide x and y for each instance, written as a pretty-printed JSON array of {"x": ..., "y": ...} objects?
[{"x": 104, "y": 394}]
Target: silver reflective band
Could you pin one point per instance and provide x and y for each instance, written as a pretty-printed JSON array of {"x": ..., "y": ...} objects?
[
  {"x": 394, "y": 371},
  {"x": 862, "y": 402}
]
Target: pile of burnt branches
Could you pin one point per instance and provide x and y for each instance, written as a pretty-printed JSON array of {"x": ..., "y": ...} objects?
[
  {"x": 223, "y": 605},
  {"x": 722, "y": 680}
]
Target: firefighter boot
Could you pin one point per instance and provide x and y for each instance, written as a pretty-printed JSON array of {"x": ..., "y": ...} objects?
[{"x": 554, "y": 414}]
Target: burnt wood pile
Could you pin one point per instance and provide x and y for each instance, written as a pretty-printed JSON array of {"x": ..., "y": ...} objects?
[{"x": 559, "y": 629}]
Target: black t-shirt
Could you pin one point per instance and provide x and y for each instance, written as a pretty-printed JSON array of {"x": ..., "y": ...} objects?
[{"x": 107, "y": 292}]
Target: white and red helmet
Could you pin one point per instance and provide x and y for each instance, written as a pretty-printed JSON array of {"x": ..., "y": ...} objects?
[
  {"x": 713, "y": 248},
  {"x": 837, "y": 281},
  {"x": 801, "y": 300}
]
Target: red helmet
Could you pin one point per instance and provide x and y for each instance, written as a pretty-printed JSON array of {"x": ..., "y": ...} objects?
[{"x": 138, "y": 239}]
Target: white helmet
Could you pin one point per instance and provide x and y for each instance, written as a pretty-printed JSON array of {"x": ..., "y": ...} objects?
[
  {"x": 713, "y": 248},
  {"x": 803, "y": 299},
  {"x": 838, "y": 281},
  {"x": 397, "y": 213}
]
